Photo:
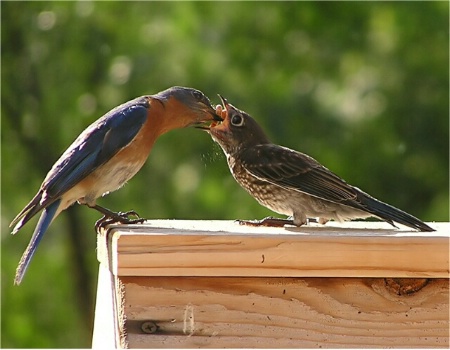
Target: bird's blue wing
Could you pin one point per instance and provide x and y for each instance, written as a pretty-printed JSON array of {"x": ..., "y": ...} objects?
[{"x": 96, "y": 145}]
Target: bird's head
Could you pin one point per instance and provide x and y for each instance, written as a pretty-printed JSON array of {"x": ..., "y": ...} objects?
[
  {"x": 184, "y": 106},
  {"x": 237, "y": 131}
]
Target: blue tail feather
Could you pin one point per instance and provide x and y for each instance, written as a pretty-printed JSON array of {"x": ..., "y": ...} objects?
[{"x": 46, "y": 218}]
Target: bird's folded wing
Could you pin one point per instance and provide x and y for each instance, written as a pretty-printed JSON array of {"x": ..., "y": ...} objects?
[
  {"x": 95, "y": 146},
  {"x": 299, "y": 172}
]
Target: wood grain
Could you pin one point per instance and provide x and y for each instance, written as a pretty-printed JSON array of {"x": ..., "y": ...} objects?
[
  {"x": 216, "y": 284},
  {"x": 224, "y": 248},
  {"x": 249, "y": 312}
]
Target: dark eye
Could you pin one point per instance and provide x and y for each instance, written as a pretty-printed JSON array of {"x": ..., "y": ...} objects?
[
  {"x": 237, "y": 120},
  {"x": 198, "y": 95}
]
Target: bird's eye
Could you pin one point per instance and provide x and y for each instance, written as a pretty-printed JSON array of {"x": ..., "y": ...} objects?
[
  {"x": 237, "y": 120},
  {"x": 197, "y": 94}
]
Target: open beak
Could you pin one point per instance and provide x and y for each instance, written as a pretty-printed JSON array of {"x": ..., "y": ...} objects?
[
  {"x": 225, "y": 103},
  {"x": 217, "y": 116}
]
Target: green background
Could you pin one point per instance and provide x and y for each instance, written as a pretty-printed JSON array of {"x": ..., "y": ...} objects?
[{"x": 362, "y": 87}]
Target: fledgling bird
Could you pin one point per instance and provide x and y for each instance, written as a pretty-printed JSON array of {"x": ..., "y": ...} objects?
[
  {"x": 293, "y": 183},
  {"x": 106, "y": 155}
]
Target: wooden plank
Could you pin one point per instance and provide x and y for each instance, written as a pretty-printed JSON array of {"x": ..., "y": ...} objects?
[
  {"x": 224, "y": 248},
  {"x": 105, "y": 333},
  {"x": 221, "y": 312}
]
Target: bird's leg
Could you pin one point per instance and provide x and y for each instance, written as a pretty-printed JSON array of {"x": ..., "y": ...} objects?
[
  {"x": 268, "y": 222},
  {"x": 111, "y": 217}
]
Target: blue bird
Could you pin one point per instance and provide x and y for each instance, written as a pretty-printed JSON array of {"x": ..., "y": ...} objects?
[{"x": 106, "y": 155}]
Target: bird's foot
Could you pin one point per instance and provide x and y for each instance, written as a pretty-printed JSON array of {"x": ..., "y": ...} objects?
[
  {"x": 267, "y": 222},
  {"x": 270, "y": 221},
  {"x": 111, "y": 217},
  {"x": 120, "y": 217}
]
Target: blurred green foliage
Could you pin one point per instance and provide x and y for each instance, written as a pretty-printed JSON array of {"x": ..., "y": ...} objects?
[{"x": 361, "y": 86}]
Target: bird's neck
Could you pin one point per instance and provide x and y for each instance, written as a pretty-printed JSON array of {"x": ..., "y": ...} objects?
[{"x": 167, "y": 116}]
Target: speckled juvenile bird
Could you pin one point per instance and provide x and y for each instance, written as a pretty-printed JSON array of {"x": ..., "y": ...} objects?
[{"x": 293, "y": 183}]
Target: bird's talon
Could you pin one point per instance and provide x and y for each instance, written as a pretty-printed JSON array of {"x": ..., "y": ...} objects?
[
  {"x": 102, "y": 223},
  {"x": 126, "y": 214},
  {"x": 267, "y": 222},
  {"x": 119, "y": 218},
  {"x": 123, "y": 218},
  {"x": 254, "y": 223},
  {"x": 136, "y": 221},
  {"x": 243, "y": 222}
]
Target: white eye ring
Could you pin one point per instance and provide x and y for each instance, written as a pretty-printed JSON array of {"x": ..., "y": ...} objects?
[{"x": 237, "y": 120}]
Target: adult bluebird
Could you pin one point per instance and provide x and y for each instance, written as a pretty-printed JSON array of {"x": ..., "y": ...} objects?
[
  {"x": 106, "y": 155},
  {"x": 292, "y": 183}
]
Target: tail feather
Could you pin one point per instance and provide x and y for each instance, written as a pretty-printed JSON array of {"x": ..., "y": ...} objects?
[
  {"x": 46, "y": 218},
  {"x": 30, "y": 210},
  {"x": 389, "y": 213}
]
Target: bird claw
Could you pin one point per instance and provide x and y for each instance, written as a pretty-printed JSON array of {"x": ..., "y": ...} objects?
[
  {"x": 120, "y": 217},
  {"x": 266, "y": 222}
]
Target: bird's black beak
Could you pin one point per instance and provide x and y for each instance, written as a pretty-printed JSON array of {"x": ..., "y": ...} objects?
[
  {"x": 217, "y": 118},
  {"x": 224, "y": 101},
  {"x": 206, "y": 125}
]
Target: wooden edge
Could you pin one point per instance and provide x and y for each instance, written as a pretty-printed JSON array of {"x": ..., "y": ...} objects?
[
  {"x": 223, "y": 248},
  {"x": 105, "y": 334}
]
